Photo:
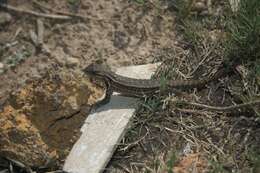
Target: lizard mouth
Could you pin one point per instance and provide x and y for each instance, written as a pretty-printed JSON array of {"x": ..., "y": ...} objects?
[{"x": 97, "y": 81}]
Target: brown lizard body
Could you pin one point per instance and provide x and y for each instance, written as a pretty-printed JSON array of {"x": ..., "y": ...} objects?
[{"x": 141, "y": 87}]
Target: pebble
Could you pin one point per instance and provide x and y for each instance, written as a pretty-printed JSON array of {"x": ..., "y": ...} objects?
[
  {"x": 5, "y": 18},
  {"x": 199, "y": 6},
  {"x": 71, "y": 62},
  {"x": 205, "y": 13}
]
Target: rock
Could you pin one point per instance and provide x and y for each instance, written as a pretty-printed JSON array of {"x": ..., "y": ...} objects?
[
  {"x": 5, "y": 18},
  {"x": 199, "y": 7},
  {"x": 1, "y": 66},
  {"x": 71, "y": 62},
  {"x": 44, "y": 130}
]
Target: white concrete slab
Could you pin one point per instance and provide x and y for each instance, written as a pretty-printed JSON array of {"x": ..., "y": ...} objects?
[{"x": 104, "y": 128}]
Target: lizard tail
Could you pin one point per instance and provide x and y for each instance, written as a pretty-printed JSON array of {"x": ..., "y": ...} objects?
[{"x": 200, "y": 83}]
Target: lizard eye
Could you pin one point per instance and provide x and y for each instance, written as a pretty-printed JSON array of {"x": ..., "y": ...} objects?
[{"x": 89, "y": 69}]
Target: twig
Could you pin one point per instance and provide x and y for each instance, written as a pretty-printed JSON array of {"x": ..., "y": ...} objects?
[
  {"x": 33, "y": 37},
  {"x": 17, "y": 32},
  {"x": 40, "y": 31},
  {"x": 191, "y": 111},
  {"x": 8, "y": 45},
  {"x": 60, "y": 12},
  {"x": 37, "y": 39},
  {"x": 51, "y": 16},
  {"x": 216, "y": 108}
]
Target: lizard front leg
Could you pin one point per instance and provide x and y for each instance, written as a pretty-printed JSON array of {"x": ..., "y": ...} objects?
[{"x": 108, "y": 94}]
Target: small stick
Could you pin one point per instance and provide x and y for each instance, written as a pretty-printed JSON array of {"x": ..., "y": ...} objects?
[
  {"x": 60, "y": 12},
  {"x": 40, "y": 31},
  {"x": 51, "y": 16},
  {"x": 216, "y": 108},
  {"x": 38, "y": 38},
  {"x": 34, "y": 37},
  {"x": 192, "y": 111},
  {"x": 17, "y": 32}
]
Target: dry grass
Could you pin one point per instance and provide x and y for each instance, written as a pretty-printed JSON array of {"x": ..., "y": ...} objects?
[{"x": 164, "y": 136}]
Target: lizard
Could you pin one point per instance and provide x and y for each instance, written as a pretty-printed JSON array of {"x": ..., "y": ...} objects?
[{"x": 141, "y": 87}]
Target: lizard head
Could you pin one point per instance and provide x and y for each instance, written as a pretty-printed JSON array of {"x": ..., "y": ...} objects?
[{"x": 95, "y": 69}]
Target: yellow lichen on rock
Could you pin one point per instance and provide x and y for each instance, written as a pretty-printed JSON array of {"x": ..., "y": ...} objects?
[
  {"x": 41, "y": 121},
  {"x": 20, "y": 140}
]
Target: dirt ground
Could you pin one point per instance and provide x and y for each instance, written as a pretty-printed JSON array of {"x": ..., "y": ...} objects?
[{"x": 44, "y": 97}]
